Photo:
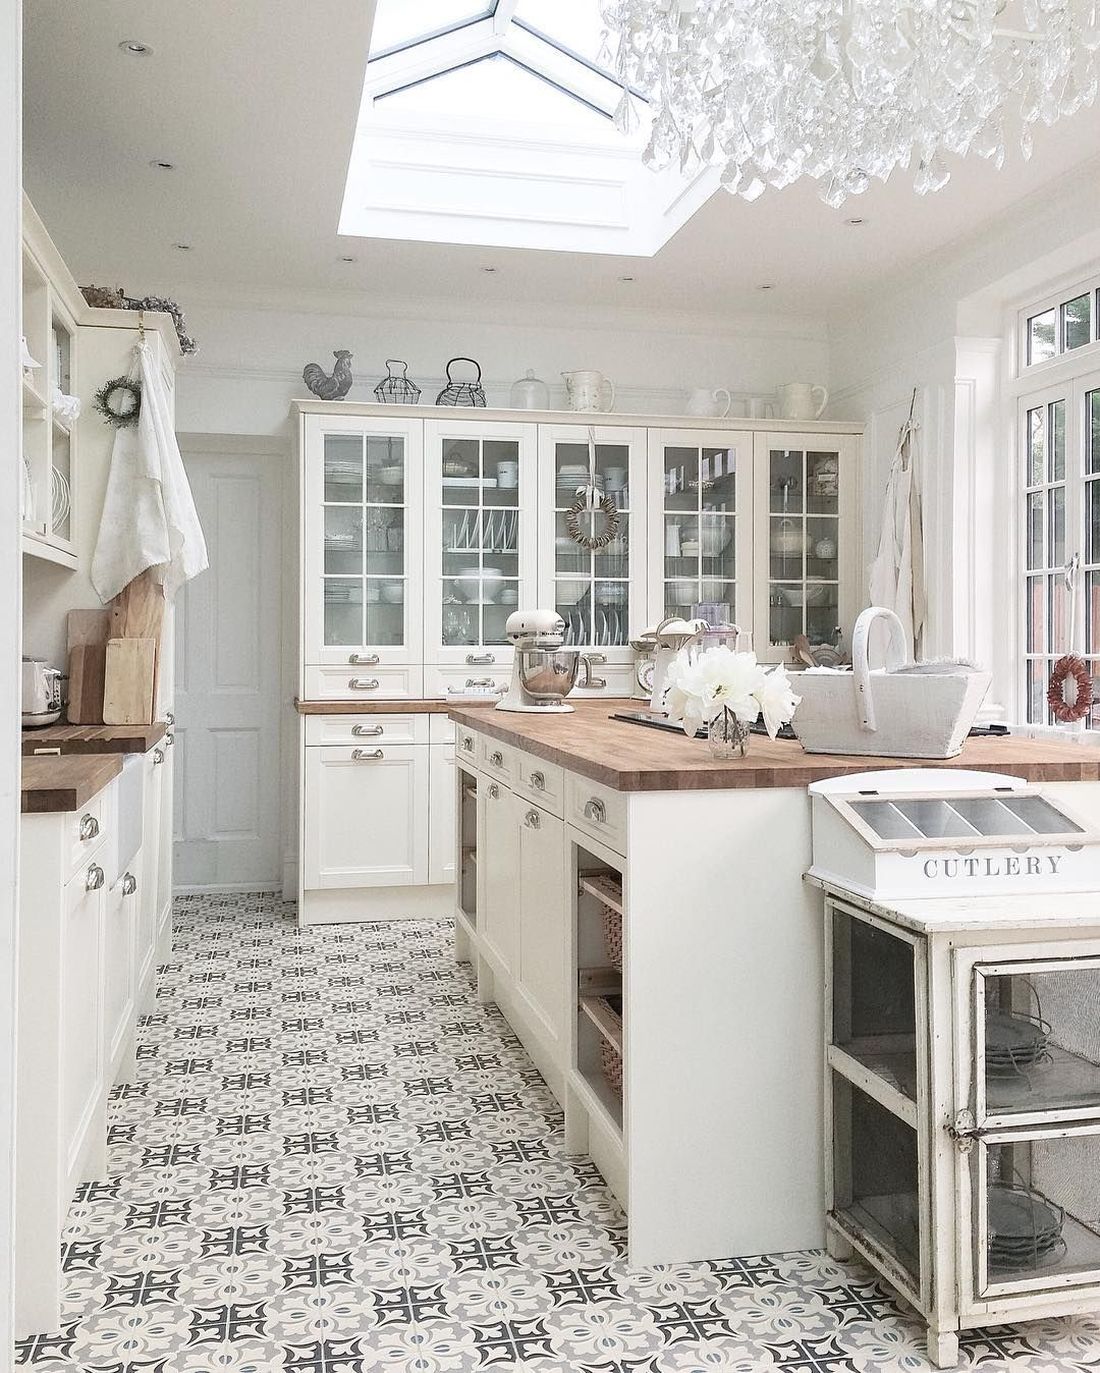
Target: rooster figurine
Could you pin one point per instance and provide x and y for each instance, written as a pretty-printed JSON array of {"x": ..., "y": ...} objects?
[{"x": 322, "y": 385}]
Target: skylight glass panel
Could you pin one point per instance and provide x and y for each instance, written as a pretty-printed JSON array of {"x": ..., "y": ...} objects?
[
  {"x": 398, "y": 23},
  {"x": 575, "y": 24},
  {"x": 495, "y": 89}
]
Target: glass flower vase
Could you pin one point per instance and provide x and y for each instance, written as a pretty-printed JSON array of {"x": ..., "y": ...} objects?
[{"x": 728, "y": 736}]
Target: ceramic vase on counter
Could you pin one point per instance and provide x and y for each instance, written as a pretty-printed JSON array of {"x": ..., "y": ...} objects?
[
  {"x": 588, "y": 390},
  {"x": 798, "y": 400}
]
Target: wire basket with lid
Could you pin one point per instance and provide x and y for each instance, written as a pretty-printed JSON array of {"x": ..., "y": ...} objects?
[
  {"x": 462, "y": 392},
  {"x": 395, "y": 388}
]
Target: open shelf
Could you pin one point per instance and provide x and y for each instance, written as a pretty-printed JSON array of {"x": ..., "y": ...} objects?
[
  {"x": 1066, "y": 1082},
  {"x": 606, "y": 1013},
  {"x": 884, "y": 1066},
  {"x": 606, "y": 887}
]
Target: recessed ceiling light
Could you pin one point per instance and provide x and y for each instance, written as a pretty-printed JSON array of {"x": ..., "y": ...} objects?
[
  {"x": 855, "y": 221},
  {"x": 162, "y": 166},
  {"x": 490, "y": 270},
  {"x": 182, "y": 247},
  {"x": 134, "y": 48},
  {"x": 766, "y": 286}
]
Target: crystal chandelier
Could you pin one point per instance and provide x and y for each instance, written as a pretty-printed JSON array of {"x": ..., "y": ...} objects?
[{"x": 845, "y": 91}]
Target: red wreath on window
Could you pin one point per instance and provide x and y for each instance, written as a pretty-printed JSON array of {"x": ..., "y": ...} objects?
[{"x": 1066, "y": 711}]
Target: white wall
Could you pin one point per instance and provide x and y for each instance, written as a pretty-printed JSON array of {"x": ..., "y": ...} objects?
[
  {"x": 250, "y": 364},
  {"x": 945, "y": 328}
]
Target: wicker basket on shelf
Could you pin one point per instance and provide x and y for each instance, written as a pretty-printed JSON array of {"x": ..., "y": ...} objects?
[
  {"x": 613, "y": 936},
  {"x": 611, "y": 1060}
]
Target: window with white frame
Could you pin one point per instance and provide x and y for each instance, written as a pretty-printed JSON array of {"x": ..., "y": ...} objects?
[
  {"x": 1059, "y": 435},
  {"x": 1060, "y": 324}
]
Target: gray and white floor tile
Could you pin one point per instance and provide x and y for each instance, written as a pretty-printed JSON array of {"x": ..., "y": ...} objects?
[{"x": 334, "y": 1160}]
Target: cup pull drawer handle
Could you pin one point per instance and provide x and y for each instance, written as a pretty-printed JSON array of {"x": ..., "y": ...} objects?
[
  {"x": 597, "y": 683},
  {"x": 360, "y": 755},
  {"x": 369, "y": 684},
  {"x": 169, "y": 739},
  {"x": 169, "y": 718},
  {"x": 158, "y": 757},
  {"x": 94, "y": 879},
  {"x": 596, "y": 659},
  {"x": 497, "y": 759},
  {"x": 538, "y": 781},
  {"x": 129, "y": 884},
  {"x": 363, "y": 659},
  {"x": 494, "y": 792},
  {"x": 89, "y": 827},
  {"x": 468, "y": 744},
  {"x": 480, "y": 659},
  {"x": 366, "y": 731},
  {"x": 596, "y": 811},
  {"x": 532, "y": 820}
]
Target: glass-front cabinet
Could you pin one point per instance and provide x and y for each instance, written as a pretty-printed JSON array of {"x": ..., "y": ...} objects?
[
  {"x": 480, "y": 554},
  {"x": 361, "y": 551},
  {"x": 806, "y": 531},
  {"x": 598, "y": 584},
  {"x": 700, "y": 525}
]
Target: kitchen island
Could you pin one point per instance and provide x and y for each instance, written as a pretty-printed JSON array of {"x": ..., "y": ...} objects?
[{"x": 692, "y": 1072}]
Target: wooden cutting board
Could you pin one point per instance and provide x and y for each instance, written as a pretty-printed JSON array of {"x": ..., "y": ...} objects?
[
  {"x": 89, "y": 627},
  {"x": 87, "y": 680},
  {"x": 138, "y": 609},
  {"x": 128, "y": 681}
]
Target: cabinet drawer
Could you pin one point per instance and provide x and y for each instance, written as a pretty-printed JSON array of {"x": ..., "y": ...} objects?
[
  {"x": 496, "y": 758},
  {"x": 368, "y": 683},
  {"x": 466, "y": 746},
  {"x": 466, "y": 683},
  {"x": 597, "y": 810},
  {"x": 88, "y": 829},
  {"x": 541, "y": 782},
  {"x": 441, "y": 729},
  {"x": 367, "y": 731}
]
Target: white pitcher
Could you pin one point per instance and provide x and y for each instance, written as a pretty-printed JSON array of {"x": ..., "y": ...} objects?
[
  {"x": 703, "y": 401},
  {"x": 797, "y": 400},
  {"x": 585, "y": 390}
]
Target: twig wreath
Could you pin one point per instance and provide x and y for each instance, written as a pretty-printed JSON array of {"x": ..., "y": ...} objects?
[
  {"x": 1070, "y": 666},
  {"x": 593, "y": 542},
  {"x": 119, "y": 401}
]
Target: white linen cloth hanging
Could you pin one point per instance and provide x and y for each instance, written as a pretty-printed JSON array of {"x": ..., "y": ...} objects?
[
  {"x": 149, "y": 517},
  {"x": 897, "y": 573}
]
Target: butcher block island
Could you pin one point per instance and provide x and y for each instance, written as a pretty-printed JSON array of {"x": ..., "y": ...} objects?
[{"x": 637, "y": 911}]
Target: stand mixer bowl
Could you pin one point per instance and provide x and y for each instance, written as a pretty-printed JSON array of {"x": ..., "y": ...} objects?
[{"x": 548, "y": 675}]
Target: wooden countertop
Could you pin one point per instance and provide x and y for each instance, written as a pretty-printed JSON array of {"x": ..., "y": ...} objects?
[
  {"x": 420, "y": 705},
  {"x": 86, "y": 739},
  {"x": 632, "y": 758},
  {"x": 66, "y": 783}
]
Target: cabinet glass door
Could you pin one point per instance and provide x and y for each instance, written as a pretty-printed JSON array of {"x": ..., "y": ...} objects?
[
  {"x": 804, "y": 528},
  {"x": 595, "y": 589},
  {"x": 358, "y": 536},
  {"x": 698, "y": 558},
  {"x": 479, "y": 532}
]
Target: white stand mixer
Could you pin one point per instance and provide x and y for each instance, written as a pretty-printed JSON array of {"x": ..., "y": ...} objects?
[{"x": 543, "y": 672}]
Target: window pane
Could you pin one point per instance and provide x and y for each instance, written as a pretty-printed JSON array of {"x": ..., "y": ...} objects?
[
  {"x": 1036, "y": 615},
  {"x": 1036, "y": 447},
  {"x": 398, "y": 22},
  {"x": 1092, "y": 613},
  {"x": 1057, "y": 613},
  {"x": 1035, "y": 505},
  {"x": 1092, "y": 522},
  {"x": 575, "y": 24},
  {"x": 1076, "y": 324},
  {"x": 1092, "y": 419},
  {"x": 1041, "y": 341},
  {"x": 1058, "y": 441},
  {"x": 1057, "y": 542},
  {"x": 1037, "y": 672}
]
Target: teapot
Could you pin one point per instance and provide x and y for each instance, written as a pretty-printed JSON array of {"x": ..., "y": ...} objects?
[{"x": 585, "y": 390}]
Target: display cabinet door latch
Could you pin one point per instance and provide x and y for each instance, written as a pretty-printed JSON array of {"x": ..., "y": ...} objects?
[{"x": 964, "y": 1130}]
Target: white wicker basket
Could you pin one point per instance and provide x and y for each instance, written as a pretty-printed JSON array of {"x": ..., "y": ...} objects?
[{"x": 890, "y": 714}]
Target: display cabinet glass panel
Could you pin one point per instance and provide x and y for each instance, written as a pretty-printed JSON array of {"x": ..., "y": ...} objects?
[
  {"x": 1036, "y": 1210},
  {"x": 803, "y": 533},
  {"x": 874, "y": 1006},
  {"x": 592, "y": 586},
  {"x": 699, "y": 531},
  {"x": 1037, "y": 1032}
]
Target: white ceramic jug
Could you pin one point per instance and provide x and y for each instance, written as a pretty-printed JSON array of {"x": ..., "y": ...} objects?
[
  {"x": 797, "y": 400},
  {"x": 585, "y": 390},
  {"x": 703, "y": 401}
]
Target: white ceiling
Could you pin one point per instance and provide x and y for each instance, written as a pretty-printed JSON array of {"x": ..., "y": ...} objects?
[{"x": 255, "y": 101}]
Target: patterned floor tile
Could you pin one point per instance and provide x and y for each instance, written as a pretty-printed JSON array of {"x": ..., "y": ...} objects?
[{"x": 333, "y": 1160}]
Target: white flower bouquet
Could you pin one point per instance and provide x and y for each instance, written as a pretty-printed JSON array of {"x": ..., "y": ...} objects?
[{"x": 724, "y": 686}]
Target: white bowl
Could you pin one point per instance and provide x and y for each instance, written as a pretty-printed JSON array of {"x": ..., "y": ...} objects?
[
  {"x": 683, "y": 593},
  {"x": 393, "y": 593},
  {"x": 479, "y": 587}
]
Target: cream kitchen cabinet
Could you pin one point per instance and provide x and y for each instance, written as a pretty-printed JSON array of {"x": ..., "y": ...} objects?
[
  {"x": 441, "y": 802},
  {"x": 148, "y": 892},
  {"x": 542, "y": 965},
  {"x": 365, "y": 816},
  {"x": 121, "y": 922},
  {"x": 499, "y": 896}
]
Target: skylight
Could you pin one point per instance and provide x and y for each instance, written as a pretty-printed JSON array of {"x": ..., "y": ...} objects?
[{"x": 492, "y": 122}]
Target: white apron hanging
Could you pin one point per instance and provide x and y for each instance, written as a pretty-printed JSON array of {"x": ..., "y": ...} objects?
[{"x": 897, "y": 573}]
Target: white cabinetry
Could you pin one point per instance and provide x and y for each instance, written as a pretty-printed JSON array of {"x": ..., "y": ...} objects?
[
  {"x": 121, "y": 922},
  {"x": 498, "y": 900},
  {"x": 542, "y": 895},
  {"x": 441, "y": 801}
]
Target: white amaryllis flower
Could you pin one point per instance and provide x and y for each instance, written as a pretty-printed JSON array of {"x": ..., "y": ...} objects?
[{"x": 720, "y": 679}]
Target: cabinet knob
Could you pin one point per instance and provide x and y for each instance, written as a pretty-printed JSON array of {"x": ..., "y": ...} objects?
[
  {"x": 129, "y": 884},
  {"x": 169, "y": 739},
  {"x": 480, "y": 659},
  {"x": 532, "y": 820},
  {"x": 361, "y": 755},
  {"x": 496, "y": 759},
  {"x": 366, "y": 731},
  {"x": 494, "y": 792},
  {"x": 368, "y": 684},
  {"x": 89, "y": 827},
  {"x": 538, "y": 781},
  {"x": 363, "y": 659},
  {"x": 94, "y": 878},
  {"x": 158, "y": 757},
  {"x": 468, "y": 743},
  {"x": 169, "y": 718},
  {"x": 595, "y": 810}
]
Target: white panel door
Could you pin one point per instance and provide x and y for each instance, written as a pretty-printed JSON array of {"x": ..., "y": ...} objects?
[
  {"x": 365, "y": 816},
  {"x": 498, "y": 850},
  {"x": 544, "y": 945},
  {"x": 228, "y": 670}
]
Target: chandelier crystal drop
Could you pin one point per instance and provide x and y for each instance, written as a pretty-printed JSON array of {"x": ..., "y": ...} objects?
[{"x": 845, "y": 91}]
